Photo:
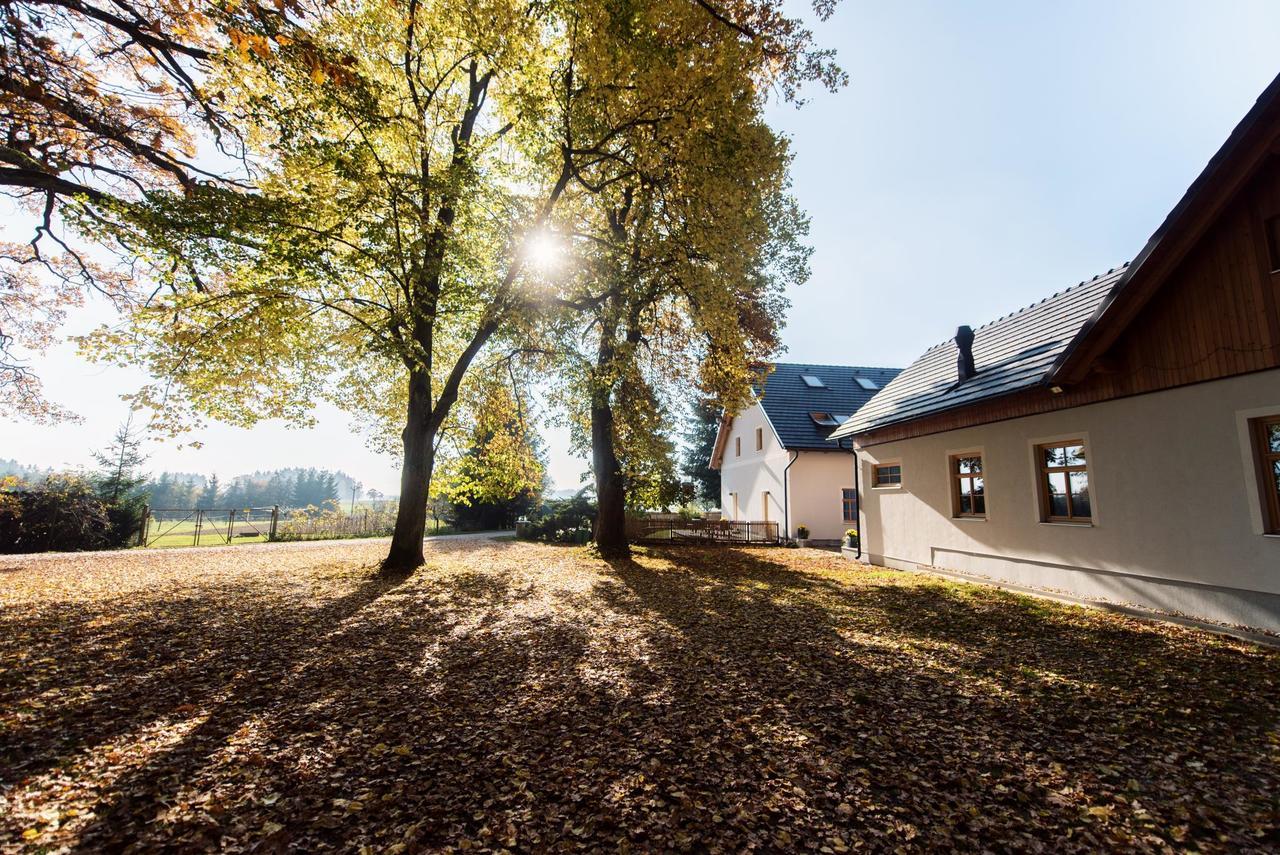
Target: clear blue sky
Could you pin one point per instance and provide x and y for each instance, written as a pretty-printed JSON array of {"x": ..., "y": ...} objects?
[{"x": 983, "y": 156}]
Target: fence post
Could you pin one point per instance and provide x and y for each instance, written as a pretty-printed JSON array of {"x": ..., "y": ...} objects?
[
  {"x": 275, "y": 519},
  {"x": 231, "y": 524},
  {"x": 199, "y": 520},
  {"x": 142, "y": 530}
]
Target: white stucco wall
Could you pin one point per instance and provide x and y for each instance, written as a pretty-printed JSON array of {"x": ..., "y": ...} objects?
[
  {"x": 815, "y": 480},
  {"x": 1177, "y": 521},
  {"x": 753, "y": 473}
]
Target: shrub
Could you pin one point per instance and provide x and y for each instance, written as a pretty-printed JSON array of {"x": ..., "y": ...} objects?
[
  {"x": 561, "y": 520},
  {"x": 802, "y": 532},
  {"x": 61, "y": 514}
]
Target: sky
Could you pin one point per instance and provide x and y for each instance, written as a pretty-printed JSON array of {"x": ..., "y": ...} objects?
[{"x": 983, "y": 156}]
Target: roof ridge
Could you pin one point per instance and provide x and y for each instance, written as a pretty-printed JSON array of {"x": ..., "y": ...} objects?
[
  {"x": 1055, "y": 295},
  {"x": 833, "y": 365}
]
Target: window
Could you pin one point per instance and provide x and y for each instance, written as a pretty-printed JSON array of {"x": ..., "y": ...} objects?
[
  {"x": 849, "y": 505},
  {"x": 968, "y": 489},
  {"x": 867, "y": 383},
  {"x": 1266, "y": 434},
  {"x": 888, "y": 474},
  {"x": 1064, "y": 482},
  {"x": 737, "y": 446},
  {"x": 813, "y": 382},
  {"x": 824, "y": 419},
  {"x": 759, "y": 439},
  {"x": 1272, "y": 227}
]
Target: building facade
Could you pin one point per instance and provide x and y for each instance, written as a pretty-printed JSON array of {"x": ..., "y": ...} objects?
[
  {"x": 1119, "y": 440},
  {"x": 776, "y": 463}
]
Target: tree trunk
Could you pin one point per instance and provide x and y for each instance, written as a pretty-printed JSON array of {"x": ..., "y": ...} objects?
[
  {"x": 611, "y": 520},
  {"x": 405, "y": 554}
]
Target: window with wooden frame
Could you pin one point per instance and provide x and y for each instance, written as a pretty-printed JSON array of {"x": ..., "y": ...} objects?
[
  {"x": 849, "y": 504},
  {"x": 887, "y": 474},
  {"x": 737, "y": 446},
  {"x": 759, "y": 439},
  {"x": 968, "y": 487},
  {"x": 1266, "y": 439},
  {"x": 1064, "y": 482}
]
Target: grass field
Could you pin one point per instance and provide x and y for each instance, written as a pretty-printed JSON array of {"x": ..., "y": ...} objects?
[
  {"x": 213, "y": 532},
  {"x": 526, "y": 697}
]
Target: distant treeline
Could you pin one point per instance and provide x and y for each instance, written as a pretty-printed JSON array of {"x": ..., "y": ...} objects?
[{"x": 288, "y": 488}]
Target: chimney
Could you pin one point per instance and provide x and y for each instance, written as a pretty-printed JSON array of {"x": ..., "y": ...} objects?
[{"x": 964, "y": 361}]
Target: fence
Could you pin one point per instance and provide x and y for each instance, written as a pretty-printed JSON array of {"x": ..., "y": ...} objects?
[
  {"x": 363, "y": 522},
  {"x": 223, "y": 526},
  {"x": 667, "y": 529},
  {"x": 207, "y": 526}
]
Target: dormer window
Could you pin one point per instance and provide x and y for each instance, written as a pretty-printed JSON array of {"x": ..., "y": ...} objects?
[
  {"x": 824, "y": 419},
  {"x": 812, "y": 381},
  {"x": 867, "y": 383}
]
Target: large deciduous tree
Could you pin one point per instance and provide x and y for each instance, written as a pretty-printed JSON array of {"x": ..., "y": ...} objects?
[
  {"x": 685, "y": 265},
  {"x": 405, "y": 162}
]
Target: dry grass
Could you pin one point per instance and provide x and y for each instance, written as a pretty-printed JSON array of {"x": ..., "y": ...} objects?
[{"x": 535, "y": 698}]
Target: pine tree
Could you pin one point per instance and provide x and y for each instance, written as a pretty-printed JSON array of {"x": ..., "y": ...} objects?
[
  {"x": 209, "y": 497},
  {"x": 700, "y": 440},
  {"x": 118, "y": 477}
]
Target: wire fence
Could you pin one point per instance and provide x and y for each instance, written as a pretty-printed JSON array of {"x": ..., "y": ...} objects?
[
  {"x": 208, "y": 526},
  {"x": 331, "y": 524},
  {"x": 163, "y": 527}
]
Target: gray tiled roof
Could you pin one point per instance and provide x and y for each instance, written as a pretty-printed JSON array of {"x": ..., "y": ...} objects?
[
  {"x": 1012, "y": 353},
  {"x": 788, "y": 401}
]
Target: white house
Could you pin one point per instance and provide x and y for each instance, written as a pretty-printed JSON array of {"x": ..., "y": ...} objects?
[
  {"x": 1118, "y": 440},
  {"x": 775, "y": 462}
]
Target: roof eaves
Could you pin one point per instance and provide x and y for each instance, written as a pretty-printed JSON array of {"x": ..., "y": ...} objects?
[{"x": 1065, "y": 362}]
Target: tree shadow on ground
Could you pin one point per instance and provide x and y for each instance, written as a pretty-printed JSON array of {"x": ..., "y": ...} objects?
[
  {"x": 962, "y": 715},
  {"x": 537, "y": 699}
]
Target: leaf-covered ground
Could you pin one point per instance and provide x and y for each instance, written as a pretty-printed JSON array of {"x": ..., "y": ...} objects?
[{"x": 525, "y": 697}]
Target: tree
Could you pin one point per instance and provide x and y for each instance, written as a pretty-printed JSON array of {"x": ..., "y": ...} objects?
[
  {"x": 403, "y": 191},
  {"x": 683, "y": 289},
  {"x": 101, "y": 103},
  {"x": 118, "y": 476},
  {"x": 701, "y": 427},
  {"x": 501, "y": 473},
  {"x": 209, "y": 496}
]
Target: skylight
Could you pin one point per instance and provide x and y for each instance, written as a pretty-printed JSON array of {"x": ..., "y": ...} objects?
[
  {"x": 867, "y": 383},
  {"x": 824, "y": 419},
  {"x": 842, "y": 417},
  {"x": 813, "y": 382}
]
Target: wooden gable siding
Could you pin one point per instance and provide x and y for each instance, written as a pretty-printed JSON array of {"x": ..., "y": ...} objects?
[{"x": 1216, "y": 316}]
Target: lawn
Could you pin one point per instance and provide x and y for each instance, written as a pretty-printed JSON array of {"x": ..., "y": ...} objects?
[{"x": 534, "y": 698}]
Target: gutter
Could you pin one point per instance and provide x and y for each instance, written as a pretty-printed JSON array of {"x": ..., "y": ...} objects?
[
  {"x": 786, "y": 501},
  {"x": 857, "y": 496}
]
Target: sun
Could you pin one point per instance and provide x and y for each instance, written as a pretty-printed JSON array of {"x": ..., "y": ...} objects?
[{"x": 544, "y": 251}]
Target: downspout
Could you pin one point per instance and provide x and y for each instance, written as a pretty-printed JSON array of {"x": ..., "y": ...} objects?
[
  {"x": 857, "y": 497},
  {"x": 786, "y": 502},
  {"x": 857, "y": 492}
]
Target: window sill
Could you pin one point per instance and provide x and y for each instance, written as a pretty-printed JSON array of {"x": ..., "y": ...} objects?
[
  {"x": 1066, "y": 524},
  {"x": 886, "y": 486},
  {"x": 968, "y": 519}
]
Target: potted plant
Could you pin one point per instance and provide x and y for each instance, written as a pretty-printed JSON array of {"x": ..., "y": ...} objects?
[
  {"x": 802, "y": 535},
  {"x": 851, "y": 538}
]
